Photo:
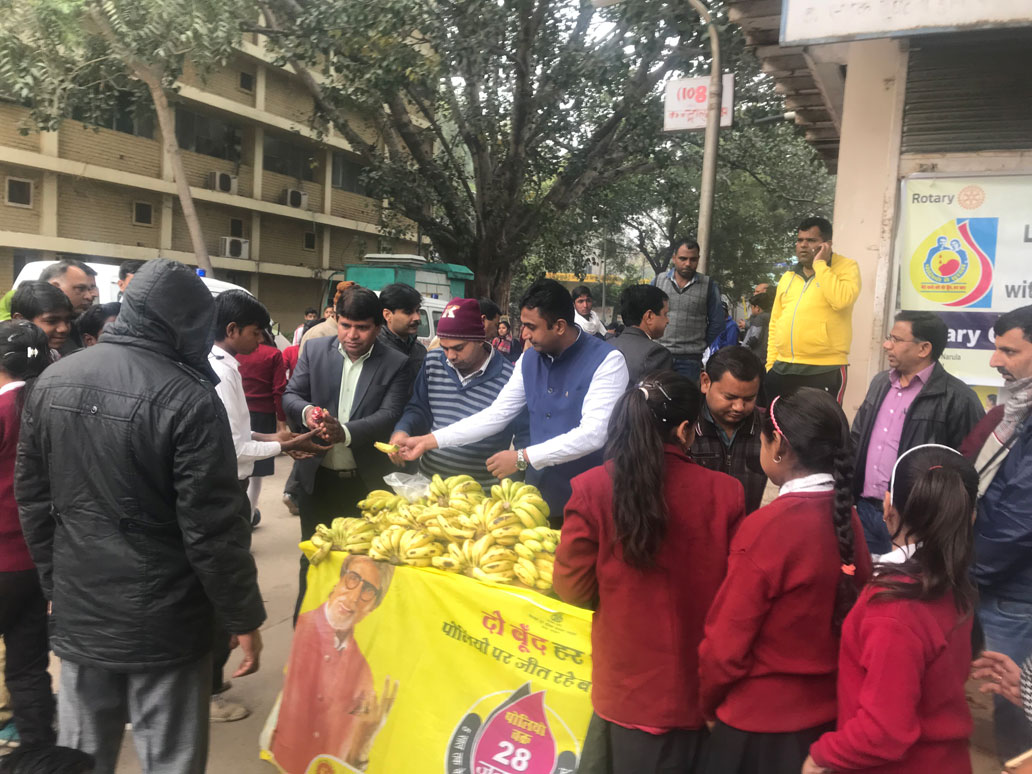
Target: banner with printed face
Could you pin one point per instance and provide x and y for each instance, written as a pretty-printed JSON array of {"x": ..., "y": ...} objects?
[
  {"x": 965, "y": 251},
  {"x": 404, "y": 669}
]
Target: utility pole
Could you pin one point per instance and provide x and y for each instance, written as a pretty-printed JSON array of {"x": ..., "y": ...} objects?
[{"x": 712, "y": 144}]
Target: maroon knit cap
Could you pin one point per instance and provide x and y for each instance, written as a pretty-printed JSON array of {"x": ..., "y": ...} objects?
[{"x": 462, "y": 320}]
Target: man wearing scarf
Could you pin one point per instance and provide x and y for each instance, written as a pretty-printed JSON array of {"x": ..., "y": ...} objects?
[{"x": 1001, "y": 448}]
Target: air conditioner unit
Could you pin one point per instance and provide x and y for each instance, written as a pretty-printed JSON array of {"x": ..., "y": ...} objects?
[
  {"x": 223, "y": 182},
  {"x": 294, "y": 197},
  {"x": 234, "y": 247}
]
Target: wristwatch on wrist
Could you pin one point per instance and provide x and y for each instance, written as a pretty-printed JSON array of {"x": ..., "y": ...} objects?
[{"x": 521, "y": 460}]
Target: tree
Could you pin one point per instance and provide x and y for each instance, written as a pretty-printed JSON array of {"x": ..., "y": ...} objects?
[
  {"x": 61, "y": 57},
  {"x": 483, "y": 120}
]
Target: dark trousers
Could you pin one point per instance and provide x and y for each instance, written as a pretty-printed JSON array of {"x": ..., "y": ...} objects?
[
  {"x": 23, "y": 624},
  {"x": 832, "y": 382},
  {"x": 610, "y": 748},
  {"x": 689, "y": 366},
  {"x": 731, "y": 751},
  {"x": 220, "y": 648},
  {"x": 1007, "y": 624},
  {"x": 333, "y": 494}
]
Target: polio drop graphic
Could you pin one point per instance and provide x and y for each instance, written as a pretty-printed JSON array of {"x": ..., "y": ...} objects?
[{"x": 520, "y": 735}]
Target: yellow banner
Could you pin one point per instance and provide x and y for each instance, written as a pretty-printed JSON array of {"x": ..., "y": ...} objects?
[{"x": 404, "y": 670}]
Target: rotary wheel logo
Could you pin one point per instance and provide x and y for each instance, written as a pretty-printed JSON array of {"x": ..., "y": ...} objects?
[{"x": 971, "y": 197}]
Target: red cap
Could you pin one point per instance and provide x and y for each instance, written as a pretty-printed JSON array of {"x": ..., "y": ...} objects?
[{"x": 462, "y": 320}]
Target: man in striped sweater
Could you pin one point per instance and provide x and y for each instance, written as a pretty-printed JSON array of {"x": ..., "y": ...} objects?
[{"x": 458, "y": 379}]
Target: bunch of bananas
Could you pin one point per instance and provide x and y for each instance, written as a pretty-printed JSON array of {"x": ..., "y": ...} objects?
[
  {"x": 536, "y": 552},
  {"x": 503, "y": 538},
  {"x": 399, "y": 545},
  {"x": 482, "y": 559},
  {"x": 352, "y": 535}
]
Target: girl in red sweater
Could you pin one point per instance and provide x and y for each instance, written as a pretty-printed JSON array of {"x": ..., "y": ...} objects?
[
  {"x": 24, "y": 353},
  {"x": 645, "y": 543},
  {"x": 906, "y": 645},
  {"x": 768, "y": 663}
]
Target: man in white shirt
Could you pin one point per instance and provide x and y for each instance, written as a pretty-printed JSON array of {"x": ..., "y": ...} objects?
[
  {"x": 586, "y": 317},
  {"x": 569, "y": 382},
  {"x": 240, "y": 319}
]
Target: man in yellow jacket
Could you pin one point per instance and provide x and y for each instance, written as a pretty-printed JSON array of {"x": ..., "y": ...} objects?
[{"x": 811, "y": 324}]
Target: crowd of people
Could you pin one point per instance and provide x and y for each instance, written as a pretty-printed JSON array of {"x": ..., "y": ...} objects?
[{"x": 832, "y": 628}]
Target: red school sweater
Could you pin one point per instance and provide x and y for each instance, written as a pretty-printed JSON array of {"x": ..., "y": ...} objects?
[
  {"x": 648, "y": 623},
  {"x": 901, "y": 702},
  {"x": 769, "y": 660},
  {"x": 14, "y": 554}
]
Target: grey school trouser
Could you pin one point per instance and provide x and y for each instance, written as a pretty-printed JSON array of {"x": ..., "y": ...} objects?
[{"x": 168, "y": 709}]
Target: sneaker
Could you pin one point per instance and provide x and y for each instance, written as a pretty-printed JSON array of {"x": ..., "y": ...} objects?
[
  {"x": 291, "y": 503},
  {"x": 256, "y": 518},
  {"x": 9, "y": 738},
  {"x": 225, "y": 711}
]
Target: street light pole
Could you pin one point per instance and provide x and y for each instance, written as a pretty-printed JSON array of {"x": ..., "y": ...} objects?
[{"x": 709, "y": 154}]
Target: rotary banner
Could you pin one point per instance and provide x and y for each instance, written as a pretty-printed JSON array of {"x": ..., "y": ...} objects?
[
  {"x": 965, "y": 252},
  {"x": 404, "y": 669}
]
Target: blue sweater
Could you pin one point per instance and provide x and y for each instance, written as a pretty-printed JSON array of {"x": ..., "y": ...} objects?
[
  {"x": 440, "y": 399},
  {"x": 555, "y": 390}
]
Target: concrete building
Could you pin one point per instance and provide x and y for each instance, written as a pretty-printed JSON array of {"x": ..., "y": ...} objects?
[
  {"x": 281, "y": 208},
  {"x": 895, "y": 95}
]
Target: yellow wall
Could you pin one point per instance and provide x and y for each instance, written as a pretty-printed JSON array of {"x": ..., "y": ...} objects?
[
  {"x": 103, "y": 213},
  {"x": 13, "y": 118},
  {"x": 107, "y": 148},
  {"x": 283, "y": 240},
  {"x": 361, "y": 208},
  {"x": 274, "y": 183},
  {"x": 198, "y": 166},
  {"x": 214, "y": 224},
  {"x": 285, "y": 97},
  {"x": 287, "y": 297},
  {"x": 223, "y": 81},
  {"x": 20, "y": 218}
]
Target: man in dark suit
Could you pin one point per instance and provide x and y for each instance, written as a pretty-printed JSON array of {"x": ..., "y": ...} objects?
[
  {"x": 353, "y": 389},
  {"x": 645, "y": 310}
]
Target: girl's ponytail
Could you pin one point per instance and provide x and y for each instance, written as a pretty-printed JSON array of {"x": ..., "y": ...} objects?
[{"x": 645, "y": 418}]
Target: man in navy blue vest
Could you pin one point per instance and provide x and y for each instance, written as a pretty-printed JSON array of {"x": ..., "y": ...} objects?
[{"x": 569, "y": 382}]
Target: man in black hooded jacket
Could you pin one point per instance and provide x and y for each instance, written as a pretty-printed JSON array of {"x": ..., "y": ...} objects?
[{"x": 126, "y": 484}]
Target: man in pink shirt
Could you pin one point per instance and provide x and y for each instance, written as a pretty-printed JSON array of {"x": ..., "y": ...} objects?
[{"x": 913, "y": 403}]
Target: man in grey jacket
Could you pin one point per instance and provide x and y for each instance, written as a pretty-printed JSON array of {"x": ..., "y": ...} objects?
[
  {"x": 645, "y": 311},
  {"x": 138, "y": 555}
]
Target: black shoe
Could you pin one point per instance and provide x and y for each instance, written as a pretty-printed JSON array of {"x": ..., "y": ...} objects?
[{"x": 256, "y": 518}]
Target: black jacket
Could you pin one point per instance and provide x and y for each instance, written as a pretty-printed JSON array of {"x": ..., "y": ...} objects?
[
  {"x": 643, "y": 355},
  {"x": 943, "y": 412},
  {"x": 383, "y": 389},
  {"x": 126, "y": 483},
  {"x": 741, "y": 460}
]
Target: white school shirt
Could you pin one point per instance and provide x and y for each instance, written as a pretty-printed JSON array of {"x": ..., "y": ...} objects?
[
  {"x": 231, "y": 391},
  {"x": 607, "y": 384},
  {"x": 818, "y": 482}
]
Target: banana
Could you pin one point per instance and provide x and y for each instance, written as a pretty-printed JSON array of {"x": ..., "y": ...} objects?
[
  {"x": 386, "y": 448},
  {"x": 480, "y": 546},
  {"x": 505, "y": 519},
  {"x": 549, "y": 546},
  {"x": 494, "y": 567},
  {"x": 522, "y": 550},
  {"x": 524, "y": 575},
  {"x": 446, "y": 563},
  {"x": 528, "y": 566},
  {"x": 419, "y": 562},
  {"x": 507, "y": 536},
  {"x": 543, "y": 585},
  {"x": 493, "y": 577},
  {"x": 534, "y": 545},
  {"x": 499, "y": 553}
]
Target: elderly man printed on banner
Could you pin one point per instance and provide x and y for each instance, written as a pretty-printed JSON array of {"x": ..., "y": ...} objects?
[{"x": 330, "y": 706}]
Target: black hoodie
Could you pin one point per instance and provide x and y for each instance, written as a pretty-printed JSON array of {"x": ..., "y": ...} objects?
[{"x": 127, "y": 489}]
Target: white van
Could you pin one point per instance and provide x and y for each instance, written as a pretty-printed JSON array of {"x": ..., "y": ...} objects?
[{"x": 107, "y": 284}]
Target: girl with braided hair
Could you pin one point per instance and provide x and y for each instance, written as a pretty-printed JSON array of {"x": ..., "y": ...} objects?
[
  {"x": 645, "y": 544},
  {"x": 906, "y": 644},
  {"x": 769, "y": 659}
]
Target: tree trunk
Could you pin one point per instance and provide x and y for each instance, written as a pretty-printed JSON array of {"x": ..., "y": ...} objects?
[
  {"x": 492, "y": 279},
  {"x": 168, "y": 133}
]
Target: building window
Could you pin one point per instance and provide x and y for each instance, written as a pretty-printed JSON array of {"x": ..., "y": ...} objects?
[
  {"x": 236, "y": 228},
  {"x": 127, "y": 115},
  {"x": 309, "y": 243},
  {"x": 247, "y": 82},
  {"x": 346, "y": 174},
  {"x": 290, "y": 159},
  {"x": 143, "y": 213},
  {"x": 19, "y": 192},
  {"x": 208, "y": 135}
]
